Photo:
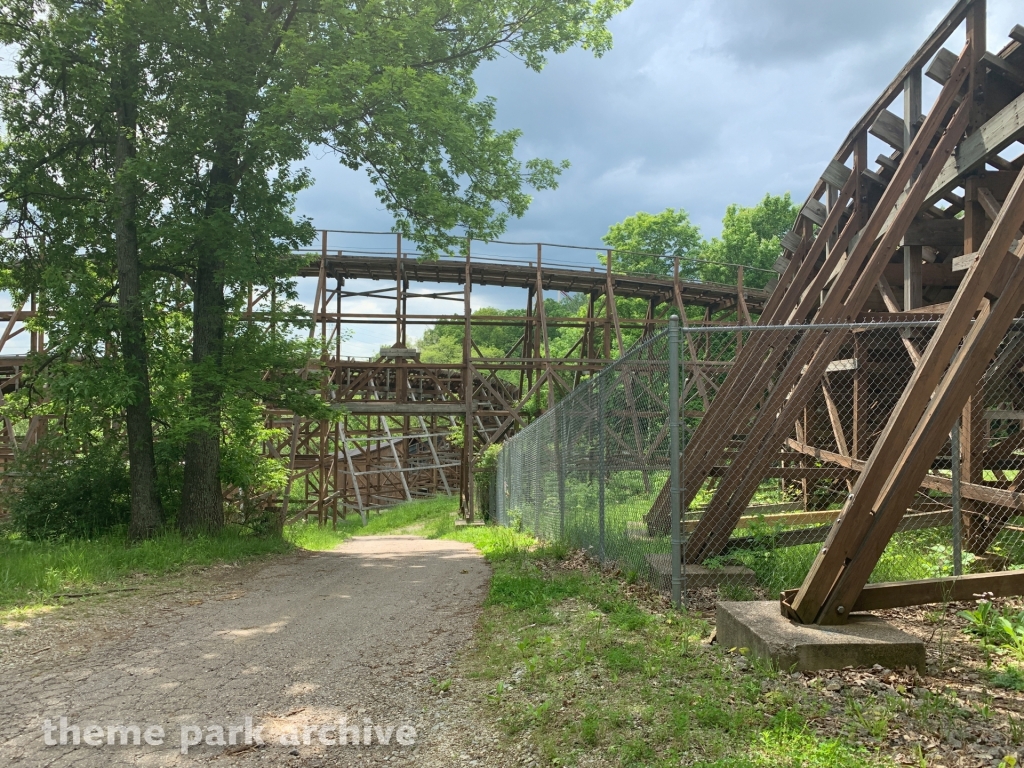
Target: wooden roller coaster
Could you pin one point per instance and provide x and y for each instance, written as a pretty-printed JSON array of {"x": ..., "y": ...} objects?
[{"x": 940, "y": 211}]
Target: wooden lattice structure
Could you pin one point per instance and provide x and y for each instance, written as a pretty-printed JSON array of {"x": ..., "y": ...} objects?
[
  {"x": 394, "y": 441},
  {"x": 940, "y": 211}
]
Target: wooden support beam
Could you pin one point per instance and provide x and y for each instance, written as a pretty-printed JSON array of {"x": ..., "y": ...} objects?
[
  {"x": 917, "y": 428},
  {"x": 877, "y": 597},
  {"x": 1002, "y": 130},
  {"x": 816, "y": 349},
  {"x": 941, "y": 66},
  {"x": 889, "y": 128},
  {"x": 1008, "y": 500}
]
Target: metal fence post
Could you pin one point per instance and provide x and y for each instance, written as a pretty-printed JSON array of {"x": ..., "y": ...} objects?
[
  {"x": 955, "y": 458},
  {"x": 560, "y": 446},
  {"x": 538, "y": 474},
  {"x": 600, "y": 464},
  {"x": 674, "y": 457}
]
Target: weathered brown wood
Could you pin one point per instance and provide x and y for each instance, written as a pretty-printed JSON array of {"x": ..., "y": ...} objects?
[
  {"x": 1002, "y": 130},
  {"x": 1009, "y": 500},
  {"x": 901, "y": 458},
  {"x": 877, "y": 597},
  {"x": 889, "y": 128},
  {"x": 816, "y": 349}
]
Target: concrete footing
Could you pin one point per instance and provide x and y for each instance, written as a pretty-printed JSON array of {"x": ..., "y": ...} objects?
[
  {"x": 863, "y": 642},
  {"x": 697, "y": 576}
]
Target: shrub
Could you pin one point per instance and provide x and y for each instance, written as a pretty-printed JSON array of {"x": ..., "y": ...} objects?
[{"x": 82, "y": 495}]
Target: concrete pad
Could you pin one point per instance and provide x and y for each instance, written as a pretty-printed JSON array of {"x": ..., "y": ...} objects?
[
  {"x": 698, "y": 576},
  {"x": 865, "y": 641},
  {"x": 636, "y": 530}
]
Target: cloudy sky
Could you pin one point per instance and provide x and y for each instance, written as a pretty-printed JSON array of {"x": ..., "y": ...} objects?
[{"x": 701, "y": 103}]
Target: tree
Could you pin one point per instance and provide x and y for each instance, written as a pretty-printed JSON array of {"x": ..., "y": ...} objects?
[
  {"x": 180, "y": 126},
  {"x": 388, "y": 87},
  {"x": 751, "y": 237},
  {"x": 649, "y": 242},
  {"x": 74, "y": 116}
]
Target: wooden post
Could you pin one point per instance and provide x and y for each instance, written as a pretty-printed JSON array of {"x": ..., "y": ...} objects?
[{"x": 912, "y": 254}]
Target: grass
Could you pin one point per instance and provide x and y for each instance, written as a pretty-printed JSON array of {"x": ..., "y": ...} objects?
[
  {"x": 576, "y": 664},
  {"x": 568, "y": 659},
  {"x": 586, "y": 670},
  {"x": 32, "y": 572},
  {"x": 35, "y": 572}
]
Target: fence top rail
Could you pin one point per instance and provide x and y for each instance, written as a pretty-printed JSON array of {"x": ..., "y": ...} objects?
[
  {"x": 863, "y": 326},
  {"x": 631, "y": 355}
]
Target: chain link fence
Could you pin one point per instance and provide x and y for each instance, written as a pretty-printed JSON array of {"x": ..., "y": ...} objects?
[{"x": 757, "y": 497}]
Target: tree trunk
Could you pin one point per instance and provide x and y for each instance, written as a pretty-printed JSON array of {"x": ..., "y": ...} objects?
[
  {"x": 145, "y": 502},
  {"x": 202, "y": 504}
]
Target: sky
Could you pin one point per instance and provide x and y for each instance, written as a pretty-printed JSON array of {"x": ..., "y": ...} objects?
[{"x": 700, "y": 103}]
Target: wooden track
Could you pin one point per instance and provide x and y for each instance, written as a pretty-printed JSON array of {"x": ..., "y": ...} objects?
[{"x": 511, "y": 275}]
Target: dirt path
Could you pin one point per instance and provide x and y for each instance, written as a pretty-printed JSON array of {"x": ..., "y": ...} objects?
[{"x": 364, "y": 634}]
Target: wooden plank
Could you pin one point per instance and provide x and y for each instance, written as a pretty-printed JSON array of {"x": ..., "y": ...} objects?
[
  {"x": 963, "y": 263},
  {"x": 815, "y": 211},
  {"x": 928, "y": 49},
  {"x": 833, "y": 417},
  {"x": 797, "y": 518},
  {"x": 849, "y": 364},
  {"x": 890, "y": 302},
  {"x": 889, "y": 128},
  {"x": 919, "y": 426},
  {"x": 816, "y": 349},
  {"x": 933, "y": 482},
  {"x": 877, "y": 597},
  {"x": 799, "y": 537},
  {"x": 381, "y": 407},
  {"x": 941, "y": 66},
  {"x": 875, "y": 179},
  {"x": 791, "y": 241},
  {"x": 1005, "y": 68},
  {"x": 940, "y": 275},
  {"x": 1000, "y": 414},
  {"x": 781, "y": 264},
  {"x": 937, "y": 233},
  {"x": 792, "y": 473},
  {"x": 740, "y": 394},
  {"x": 771, "y": 509},
  {"x": 1006, "y": 127},
  {"x": 836, "y": 174}
]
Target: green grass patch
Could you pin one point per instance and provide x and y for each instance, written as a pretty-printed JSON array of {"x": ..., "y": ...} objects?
[
  {"x": 37, "y": 571},
  {"x": 413, "y": 515},
  {"x": 33, "y": 572},
  {"x": 571, "y": 660}
]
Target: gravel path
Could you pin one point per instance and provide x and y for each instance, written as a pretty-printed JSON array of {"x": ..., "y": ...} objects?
[{"x": 366, "y": 635}]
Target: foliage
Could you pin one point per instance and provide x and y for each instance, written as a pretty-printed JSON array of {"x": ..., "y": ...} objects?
[
  {"x": 1003, "y": 628},
  {"x": 41, "y": 571},
  {"x": 574, "y": 665},
  {"x": 751, "y": 237},
  {"x": 69, "y": 495},
  {"x": 647, "y": 243},
  {"x": 35, "y": 570},
  {"x": 220, "y": 103}
]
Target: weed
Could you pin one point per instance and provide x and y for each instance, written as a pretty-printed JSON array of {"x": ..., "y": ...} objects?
[
  {"x": 1012, "y": 678},
  {"x": 737, "y": 593},
  {"x": 1016, "y": 730}
]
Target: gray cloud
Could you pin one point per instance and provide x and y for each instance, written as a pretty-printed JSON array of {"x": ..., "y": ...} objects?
[{"x": 700, "y": 104}]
